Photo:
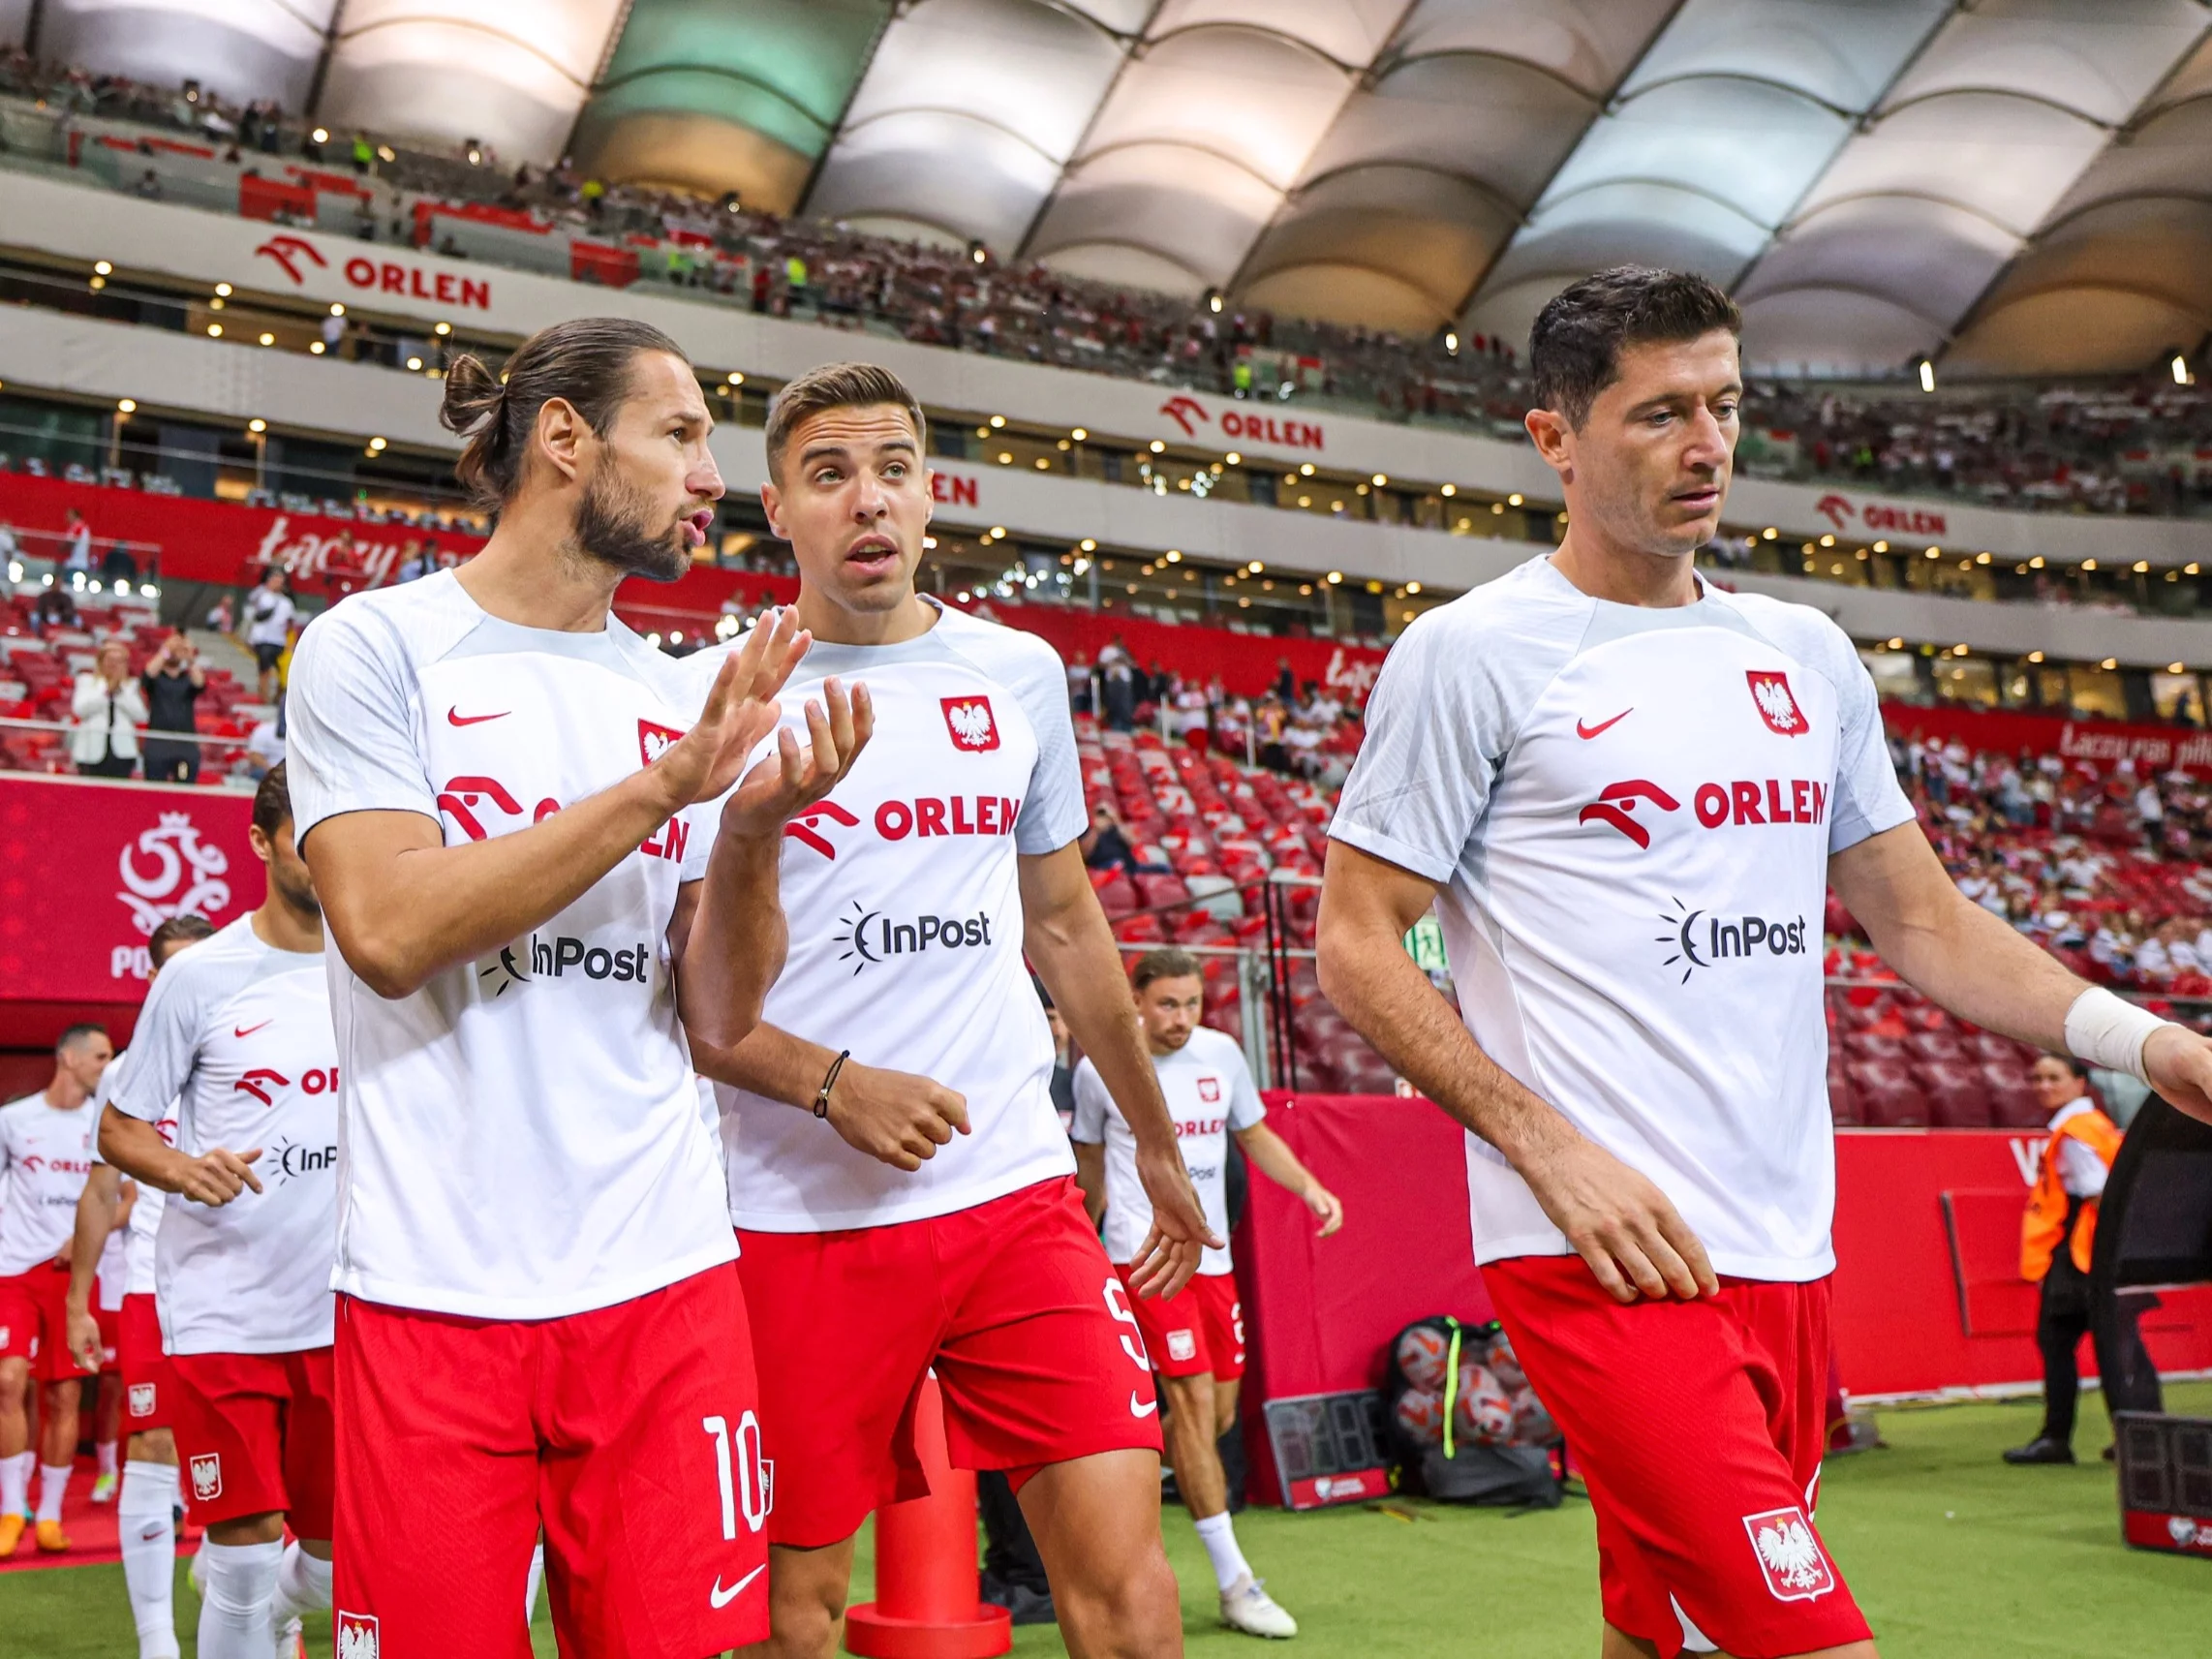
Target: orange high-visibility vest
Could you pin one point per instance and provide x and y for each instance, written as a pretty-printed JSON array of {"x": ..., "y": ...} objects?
[{"x": 2045, "y": 1224}]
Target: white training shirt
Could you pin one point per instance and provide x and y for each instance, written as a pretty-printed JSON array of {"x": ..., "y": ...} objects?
[
  {"x": 115, "y": 1263},
  {"x": 145, "y": 1223},
  {"x": 235, "y": 1045},
  {"x": 904, "y": 900},
  {"x": 1630, "y": 812},
  {"x": 268, "y": 617},
  {"x": 1209, "y": 1095},
  {"x": 520, "y": 1139},
  {"x": 46, "y": 1154}
]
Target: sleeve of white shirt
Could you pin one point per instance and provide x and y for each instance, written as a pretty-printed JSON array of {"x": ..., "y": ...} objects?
[
  {"x": 1092, "y": 1105},
  {"x": 1245, "y": 1107},
  {"x": 2080, "y": 1171},
  {"x": 354, "y": 743},
  {"x": 162, "y": 1047},
  {"x": 1053, "y": 813},
  {"x": 1867, "y": 796}
]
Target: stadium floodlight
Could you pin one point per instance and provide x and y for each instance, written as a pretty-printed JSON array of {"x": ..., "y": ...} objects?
[
  {"x": 321, "y": 135},
  {"x": 1157, "y": 446},
  {"x": 256, "y": 425},
  {"x": 1078, "y": 433},
  {"x": 100, "y": 267},
  {"x": 1452, "y": 342},
  {"x": 1233, "y": 459},
  {"x": 2175, "y": 668},
  {"x": 977, "y": 252},
  {"x": 1088, "y": 545},
  {"x": 474, "y": 149},
  {"x": 1213, "y": 300},
  {"x": 268, "y": 339},
  {"x": 441, "y": 329},
  {"x": 337, "y": 308},
  {"x": 1449, "y": 490},
  {"x": 215, "y": 330},
  {"x": 2180, "y": 370},
  {"x": 221, "y": 290},
  {"x": 1927, "y": 373},
  {"x": 127, "y": 406},
  {"x": 2109, "y": 664},
  {"x": 1174, "y": 555},
  {"x": 1515, "y": 499}
]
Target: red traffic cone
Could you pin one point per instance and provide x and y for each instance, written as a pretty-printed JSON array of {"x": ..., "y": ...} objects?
[{"x": 927, "y": 1603}]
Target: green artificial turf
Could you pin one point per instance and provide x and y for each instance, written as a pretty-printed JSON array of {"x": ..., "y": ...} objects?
[{"x": 1953, "y": 1554}]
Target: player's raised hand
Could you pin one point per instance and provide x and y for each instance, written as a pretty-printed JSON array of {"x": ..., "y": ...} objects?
[
  {"x": 838, "y": 729},
  {"x": 217, "y": 1176},
  {"x": 1620, "y": 1222},
  {"x": 740, "y": 711},
  {"x": 2179, "y": 1065},
  {"x": 895, "y": 1117},
  {"x": 1179, "y": 1235}
]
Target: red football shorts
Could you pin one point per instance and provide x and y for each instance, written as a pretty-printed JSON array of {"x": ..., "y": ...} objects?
[
  {"x": 254, "y": 1433},
  {"x": 631, "y": 1433},
  {"x": 1198, "y": 1330},
  {"x": 148, "y": 1384},
  {"x": 110, "y": 1323},
  {"x": 1699, "y": 1428},
  {"x": 34, "y": 1322},
  {"x": 1012, "y": 1303}
]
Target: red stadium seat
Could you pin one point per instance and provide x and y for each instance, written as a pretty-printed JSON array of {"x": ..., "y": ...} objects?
[{"x": 1959, "y": 1095}]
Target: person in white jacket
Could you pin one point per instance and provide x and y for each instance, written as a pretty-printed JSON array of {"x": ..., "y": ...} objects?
[{"x": 108, "y": 707}]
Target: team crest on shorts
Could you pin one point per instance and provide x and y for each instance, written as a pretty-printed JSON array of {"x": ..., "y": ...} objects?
[
  {"x": 969, "y": 722},
  {"x": 1181, "y": 1345},
  {"x": 207, "y": 1476},
  {"x": 1777, "y": 705},
  {"x": 356, "y": 1634},
  {"x": 653, "y": 741},
  {"x": 1788, "y": 1555},
  {"x": 142, "y": 1400}
]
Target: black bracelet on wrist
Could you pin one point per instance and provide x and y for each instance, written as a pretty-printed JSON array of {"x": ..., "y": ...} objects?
[{"x": 823, "y": 1094}]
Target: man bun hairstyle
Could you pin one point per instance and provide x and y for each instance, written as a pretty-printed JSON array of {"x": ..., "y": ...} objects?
[
  {"x": 1170, "y": 962},
  {"x": 1574, "y": 350},
  {"x": 585, "y": 361},
  {"x": 273, "y": 802},
  {"x": 836, "y": 386}
]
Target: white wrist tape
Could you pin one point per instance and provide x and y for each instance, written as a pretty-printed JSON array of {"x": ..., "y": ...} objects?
[{"x": 2108, "y": 1030}]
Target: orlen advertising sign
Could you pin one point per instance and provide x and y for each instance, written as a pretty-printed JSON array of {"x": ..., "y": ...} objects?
[
  {"x": 1864, "y": 515},
  {"x": 1238, "y": 425},
  {"x": 92, "y": 868},
  {"x": 386, "y": 274}
]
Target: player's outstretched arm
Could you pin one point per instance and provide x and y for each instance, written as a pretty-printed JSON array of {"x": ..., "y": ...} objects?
[
  {"x": 1617, "y": 1220},
  {"x": 1071, "y": 945},
  {"x": 213, "y": 1178},
  {"x": 729, "y": 936},
  {"x": 1273, "y": 1157},
  {"x": 1964, "y": 959},
  {"x": 404, "y": 907},
  {"x": 97, "y": 1208}
]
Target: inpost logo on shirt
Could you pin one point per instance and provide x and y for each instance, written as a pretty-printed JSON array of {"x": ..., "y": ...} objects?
[
  {"x": 290, "y": 1162},
  {"x": 871, "y": 936},
  {"x": 1701, "y": 939},
  {"x": 560, "y": 957}
]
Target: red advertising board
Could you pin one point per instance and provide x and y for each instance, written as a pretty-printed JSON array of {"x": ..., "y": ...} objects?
[
  {"x": 2152, "y": 748},
  {"x": 91, "y": 869}
]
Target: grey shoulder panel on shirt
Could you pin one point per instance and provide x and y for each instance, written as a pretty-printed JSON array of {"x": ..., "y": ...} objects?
[
  {"x": 1811, "y": 636},
  {"x": 1025, "y": 664}
]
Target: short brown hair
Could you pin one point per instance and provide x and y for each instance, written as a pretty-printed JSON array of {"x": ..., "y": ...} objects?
[
  {"x": 836, "y": 386},
  {"x": 586, "y": 361},
  {"x": 273, "y": 802},
  {"x": 1169, "y": 962},
  {"x": 172, "y": 934},
  {"x": 1574, "y": 350}
]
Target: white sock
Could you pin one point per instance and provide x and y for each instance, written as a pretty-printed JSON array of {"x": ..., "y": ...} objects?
[
  {"x": 302, "y": 1585},
  {"x": 15, "y": 1483},
  {"x": 1218, "y": 1533},
  {"x": 537, "y": 1578},
  {"x": 148, "y": 1533},
  {"x": 234, "y": 1612},
  {"x": 105, "y": 1451},
  {"x": 53, "y": 1481}
]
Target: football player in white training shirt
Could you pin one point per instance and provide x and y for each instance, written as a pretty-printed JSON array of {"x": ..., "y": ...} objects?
[
  {"x": 1195, "y": 1337},
  {"x": 538, "y": 1322},
  {"x": 235, "y": 1044},
  {"x": 899, "y": 1178},
  {"x": 1625, "y": 793},
  {"x": 46, "y": 1154},
  {"x": 145, "y": 1509}
]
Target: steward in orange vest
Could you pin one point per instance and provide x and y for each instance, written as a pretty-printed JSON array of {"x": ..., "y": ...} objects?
[{"x": 2055, "y": 1214}]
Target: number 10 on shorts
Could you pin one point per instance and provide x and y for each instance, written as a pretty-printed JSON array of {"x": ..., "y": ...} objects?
[{"x": 752, "y": 1489}]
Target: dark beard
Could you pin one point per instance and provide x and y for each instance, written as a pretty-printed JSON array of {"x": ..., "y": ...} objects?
[{"x": 611, "y": 528}]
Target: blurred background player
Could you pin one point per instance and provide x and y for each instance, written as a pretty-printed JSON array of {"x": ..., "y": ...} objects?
[
  {"x": 933, "y": 1220},
  {"x": 493, "y": 784},
  {"x": 146, "y": 1508},
  {"x": 234, "y": 1042},
  {"x": 46, "y": 1154},
  {"x": 1556, "y": 761},
  {"x": 1195, "y": 1337}
]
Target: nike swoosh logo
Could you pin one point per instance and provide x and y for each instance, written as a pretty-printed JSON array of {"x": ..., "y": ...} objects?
[
  {"x": 721, "y": 1598},
  {"x": 454, "y": 717},
  {"x": 1145, "y": 1410},
  {"x": 1588, "y": 731},
  {"x": 249, "y": 1030}
]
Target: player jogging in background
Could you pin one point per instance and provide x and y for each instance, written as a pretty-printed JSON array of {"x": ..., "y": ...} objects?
[
  {"x": 235, "y": 1046},
  {"x": 146, "y": 1508},
  {"x": 46, "y": 1154},
  {"x": 899, "y": 1178},
  {"x": 538, "y": 1321},
  {"x": 1626, "y": 792},
  {"x": 1196, "y": 1338}
]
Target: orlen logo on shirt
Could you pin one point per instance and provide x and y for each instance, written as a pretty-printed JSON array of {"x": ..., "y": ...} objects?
[
  {"x": 1187, "y": 1127},
  {"x": 873, "y": 937},
  {"x": 471, "y": 800},
  {"x": 1741, "y": 801},
  {"x": 261, "y": 1083},
  {"x": 819, "y": 825}
]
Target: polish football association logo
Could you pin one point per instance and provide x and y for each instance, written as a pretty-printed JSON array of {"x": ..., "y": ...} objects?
[
  {"x": 969, "y": 722},
  {"x": 142, "y": 1400},
  {"x": 1210, "y": 1090},
  {"x": 207, "y": 1476},
  {"x": 652, "y": 739},
  {"x": 356, "y": 1635},
  {"x": 1788, "y": 1555},
  {"x": 1770, "y": 694}
]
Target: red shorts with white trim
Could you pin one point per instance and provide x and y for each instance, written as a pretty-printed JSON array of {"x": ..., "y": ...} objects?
[
  {"x": 110, "y": 1323},
  {"x": 255, "y": 1433},
  {"x": 1699, "y": 1426},
  {"x": 631, "y": 1433},
  {"x": 148, "y": 1382},
  {"x": 34, "y": 1322},
  {"x": 1013, "y": 1303},
  {"x": 1198, "y": 1330}
]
